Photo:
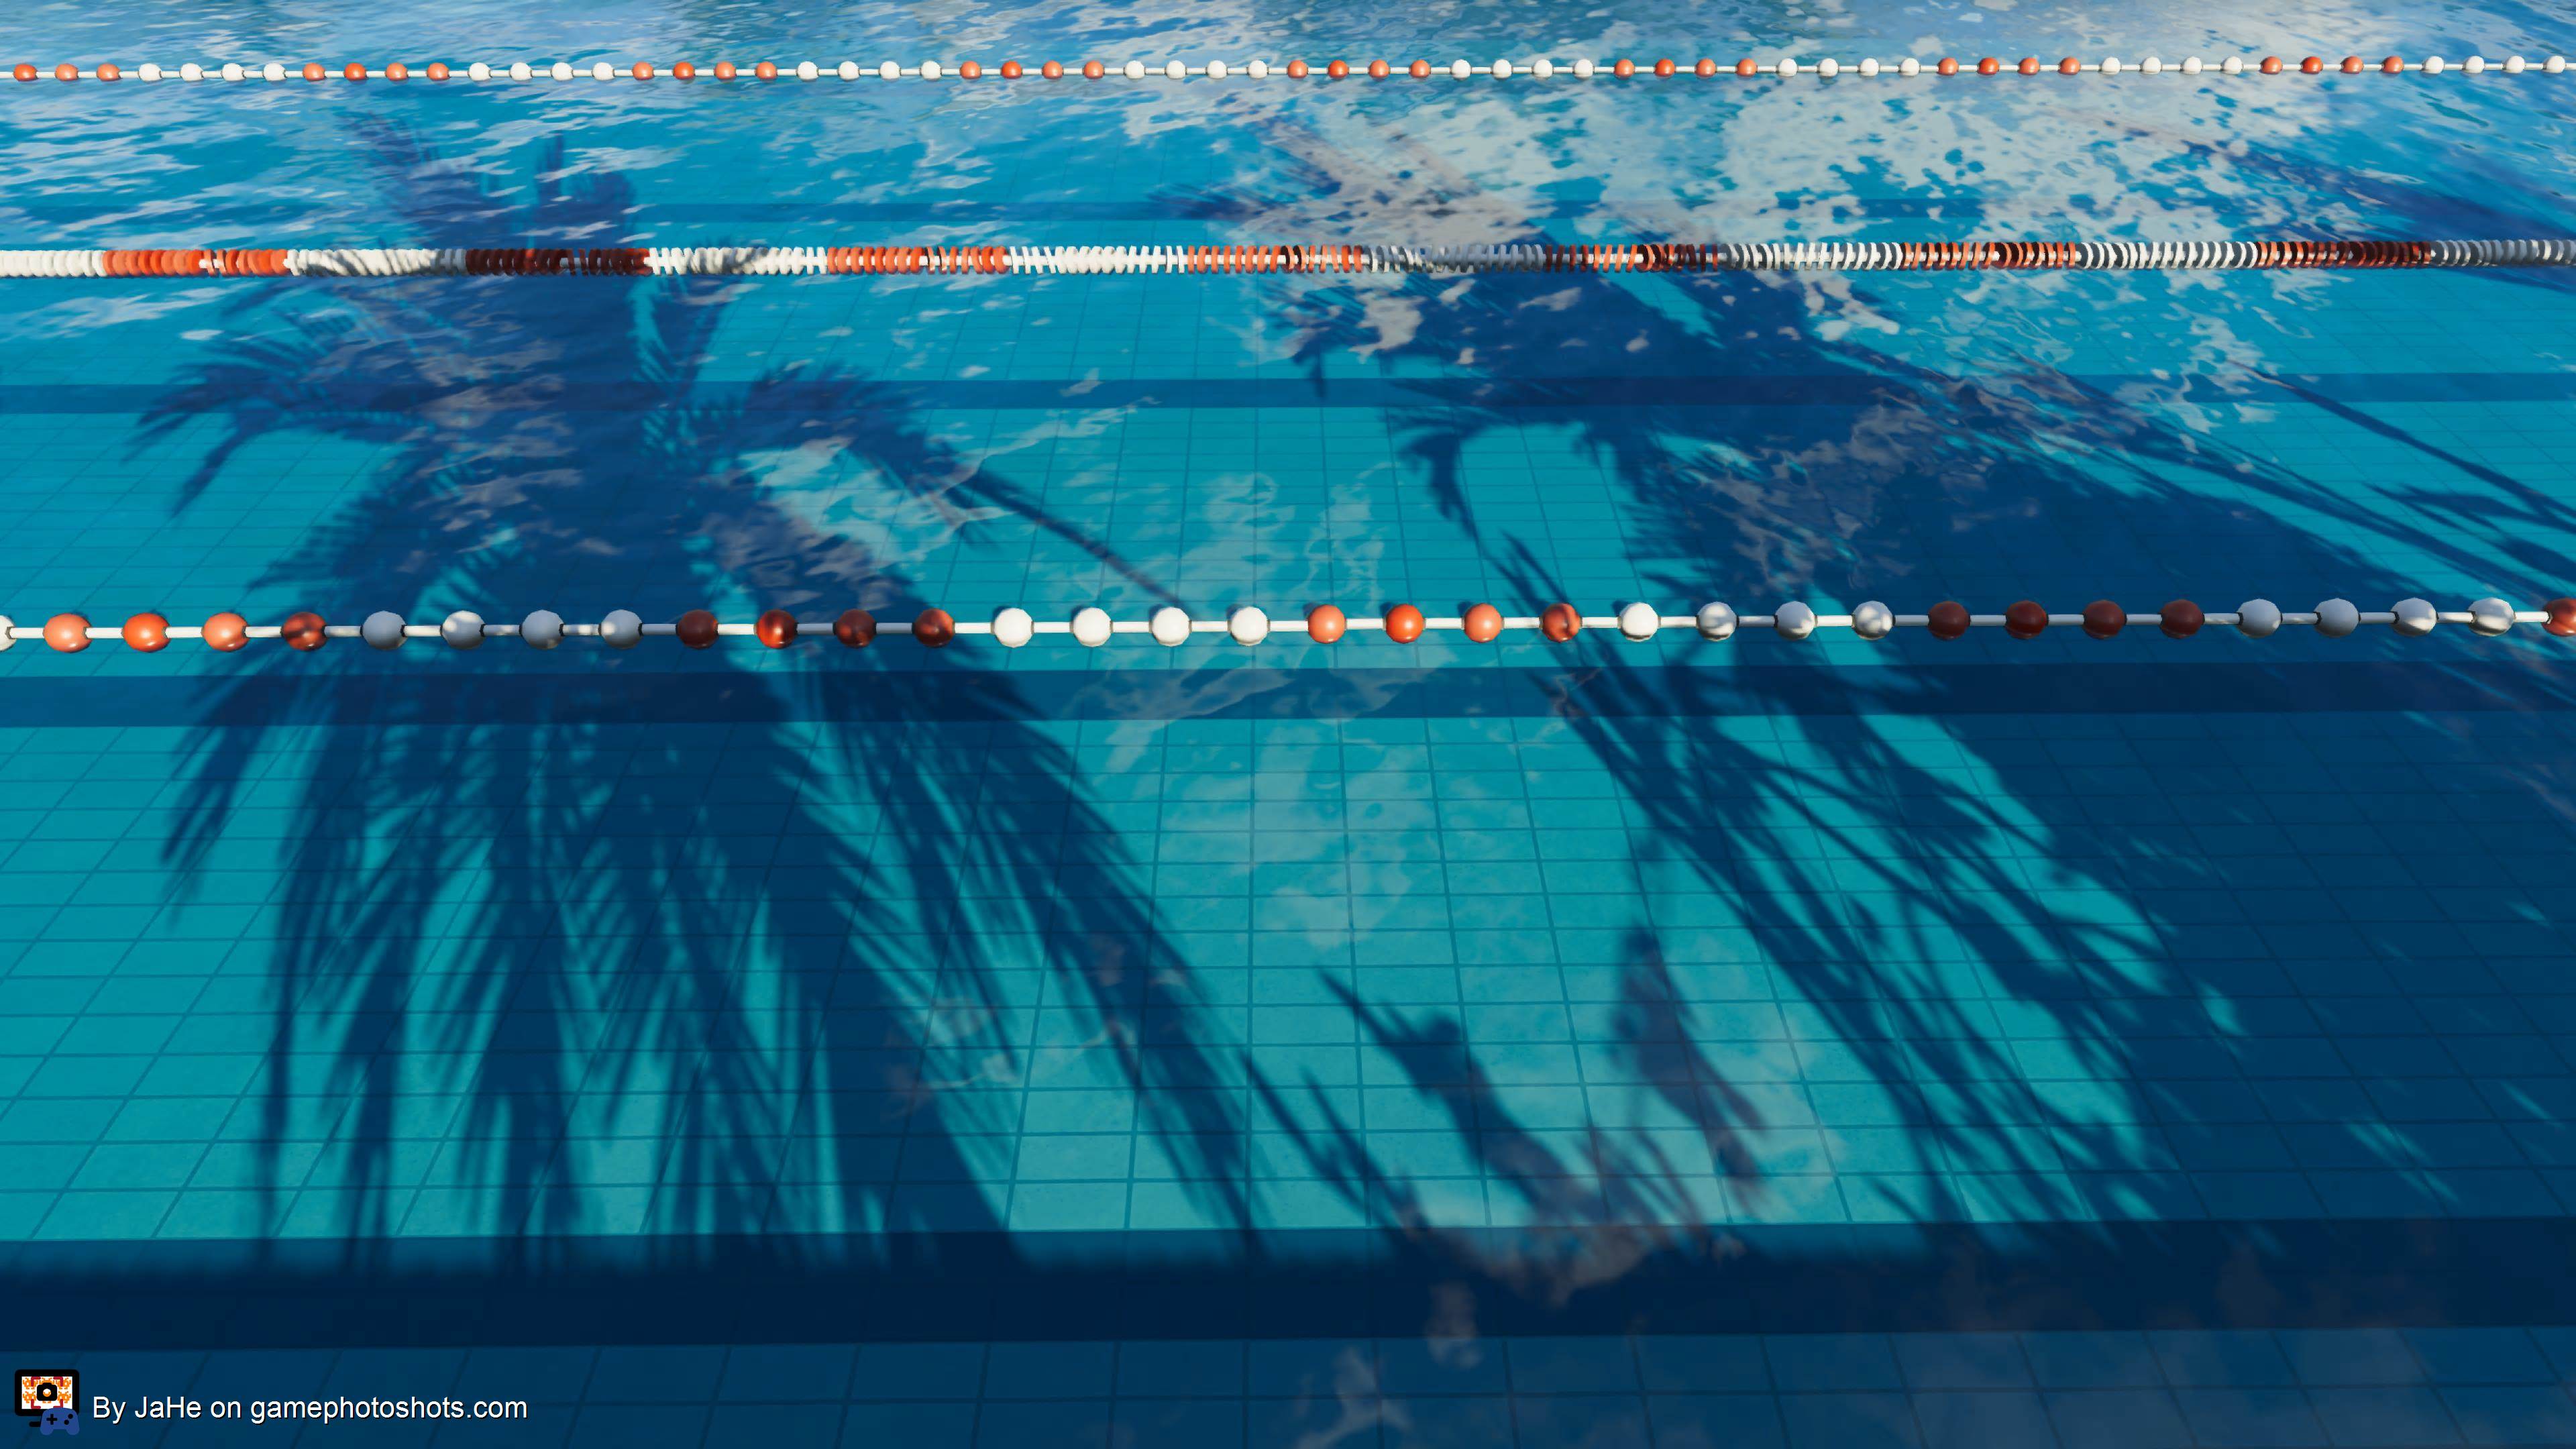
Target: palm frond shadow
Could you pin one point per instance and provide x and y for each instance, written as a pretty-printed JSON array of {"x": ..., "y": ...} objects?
[
  {"x": 728, "y": 979},
  {"x": 1915, "y": 918}
]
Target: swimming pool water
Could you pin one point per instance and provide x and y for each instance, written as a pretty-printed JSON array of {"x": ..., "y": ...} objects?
[{"x": 2072, "y": 1042}]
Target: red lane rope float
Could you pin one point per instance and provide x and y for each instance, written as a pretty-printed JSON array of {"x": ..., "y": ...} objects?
[
  {"x": 1535, "y": 68},
  {"x": 1338, "y": 258},
  {"x": 70, "y": 633}
]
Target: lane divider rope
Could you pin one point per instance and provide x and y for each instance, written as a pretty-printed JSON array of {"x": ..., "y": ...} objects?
[
  {"x": 1325, "y": 624},
  {"x": 1538, "y": 68},
  {"x": 1319, "y": 258}
]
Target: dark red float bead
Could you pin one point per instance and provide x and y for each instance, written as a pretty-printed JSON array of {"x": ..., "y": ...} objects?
[
  {"x": 696, "y": 628},
  {"x": 303, "y": 631},
  {"x": 1948, "y": 619},
  {"x": 775, "y": 628},
  {"x": 2562, "y": 617},
  {"x": 2182, "y": 619},
  {"x": 2025, "y": 620},
  {"x": 2102, "y": 618},
  {"x": 1560, "y": 622},
  {"x": 857, "y": 628},
  {"x": 934, "y": 628}
]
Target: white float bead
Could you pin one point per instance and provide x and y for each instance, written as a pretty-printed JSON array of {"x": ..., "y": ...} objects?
[
  {"x": 192, "y": 72},
  {"x": 1909, "y": 67},
  {"x": 1793, "y": 620},
  {"x": 1171, "y": 627},
  {"x": 1091, "y": 627},
  {"x": 2491, "y": 616},
  {"x": 1013, "y": 627},
  {"x": 543, "y": 629},
  {"x": 1258, "y": 70},
  {"x": 602, "y": 70},
  {"x": 461, "y": 630},
  {"x": 1716, "y": 622},
  {"x": 1639, "y": 621},
  {"x": 1872, "y": 620},
  {"x": 383, "y": 630},
  {"x": 1216, "y": 70},
  {"x": 1542, "y": 68},
  {"x": 2337, "y": 618},
  {"x": 2258, "y": 618},
  {"x": 477, "y": 71},
  {"x": 1248, "y": 625},
  {"x": 622, "y": 629},
  {"x": 1135, "y": 70},
  {"x": 8, "y": 640},
  {"x": 2415, "y": 618}
]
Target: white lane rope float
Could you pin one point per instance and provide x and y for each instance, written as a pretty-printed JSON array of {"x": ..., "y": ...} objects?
[
  {"x": 1325, "y": 258},
  {"x": 1539, "y": 68},
  {"x": 71, "y": 633}
]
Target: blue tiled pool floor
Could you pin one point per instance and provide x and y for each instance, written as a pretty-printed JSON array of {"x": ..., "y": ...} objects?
[{"x": 2129, "y": 1043}]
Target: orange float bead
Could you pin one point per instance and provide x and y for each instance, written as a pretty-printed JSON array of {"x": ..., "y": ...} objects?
[
  {"x": 765, "y": 70},
  {"x": 1296, "y": 70},
  {"x": 2271, "y": 65},
  {"x": 1989, "y": 66},
  {"x": 1093, "y": 70},
  {"x": 1705, "y": 68},
  {"x": 2392, "y": 66},
  {"x": 1664, "y": 66},
  {"x": 303, "y": 631},
  {"x": 353, "y": 71},
  {"x": 313, "y": 70},
  {"x": 227, "y": 632},
  {"x": 2312, "y": 65},
  {"x": 1326, "y": 624},
  {"x": 725, "y": 70},
  {"x": 1947, "y": 620},
  {"x": 67, "y": 72},
  {"x": 1419, "y": 70},
  {"x": 2181, "y": 619},
  {"x": 2070, "y": 66},
  {"x": 2102, "y": 618},
  {"x": 67, "y": 633},
  {"x": 1011, "y": 70},
  {"x": 2029, "y": 65},
  {"x": 2352, "y": 65},
  {"x": 147, "y": 633},
  {"x": 1949, "y": 65},
  {"x": 107, "y": 71},
  {"x": 775, "y": 628},
  {"x": 1052, "y": 70},
  {"x": 1337, "y": 70},
  {"x": 1624, "y": 69},
  {"x": 1404, "y": 623},
  {"x": 1560, "y": 622},
  {"x": 2025, "y": 620},
  {"x": 397, "y": 71},
  {"x": 1484, "y": 623},
  {"x": 856, "y": 628},
  {"x": 696, "y": 628},
  {"x": 683, "y": 70},
  {"x": 1377, "y": 70},
  {"x": 1746, "y": 67},
  {"x": 970, "y": 71},
  {"x": 2562, "y": 617},
  {"x": 934, "y": 628},
  {"x": 24, "y": 71},
  {"x": 437, "y": 70},
  {"x": 642, "y": 70}
]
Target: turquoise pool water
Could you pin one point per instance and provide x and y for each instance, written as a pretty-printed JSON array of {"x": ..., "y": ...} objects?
[{"x": 2128, "y": 1042}]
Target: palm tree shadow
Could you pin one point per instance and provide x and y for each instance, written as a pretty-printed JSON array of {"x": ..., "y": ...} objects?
[
  {"x": 734, "y": 978},
  {"x": 1898, "y": 898}
]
